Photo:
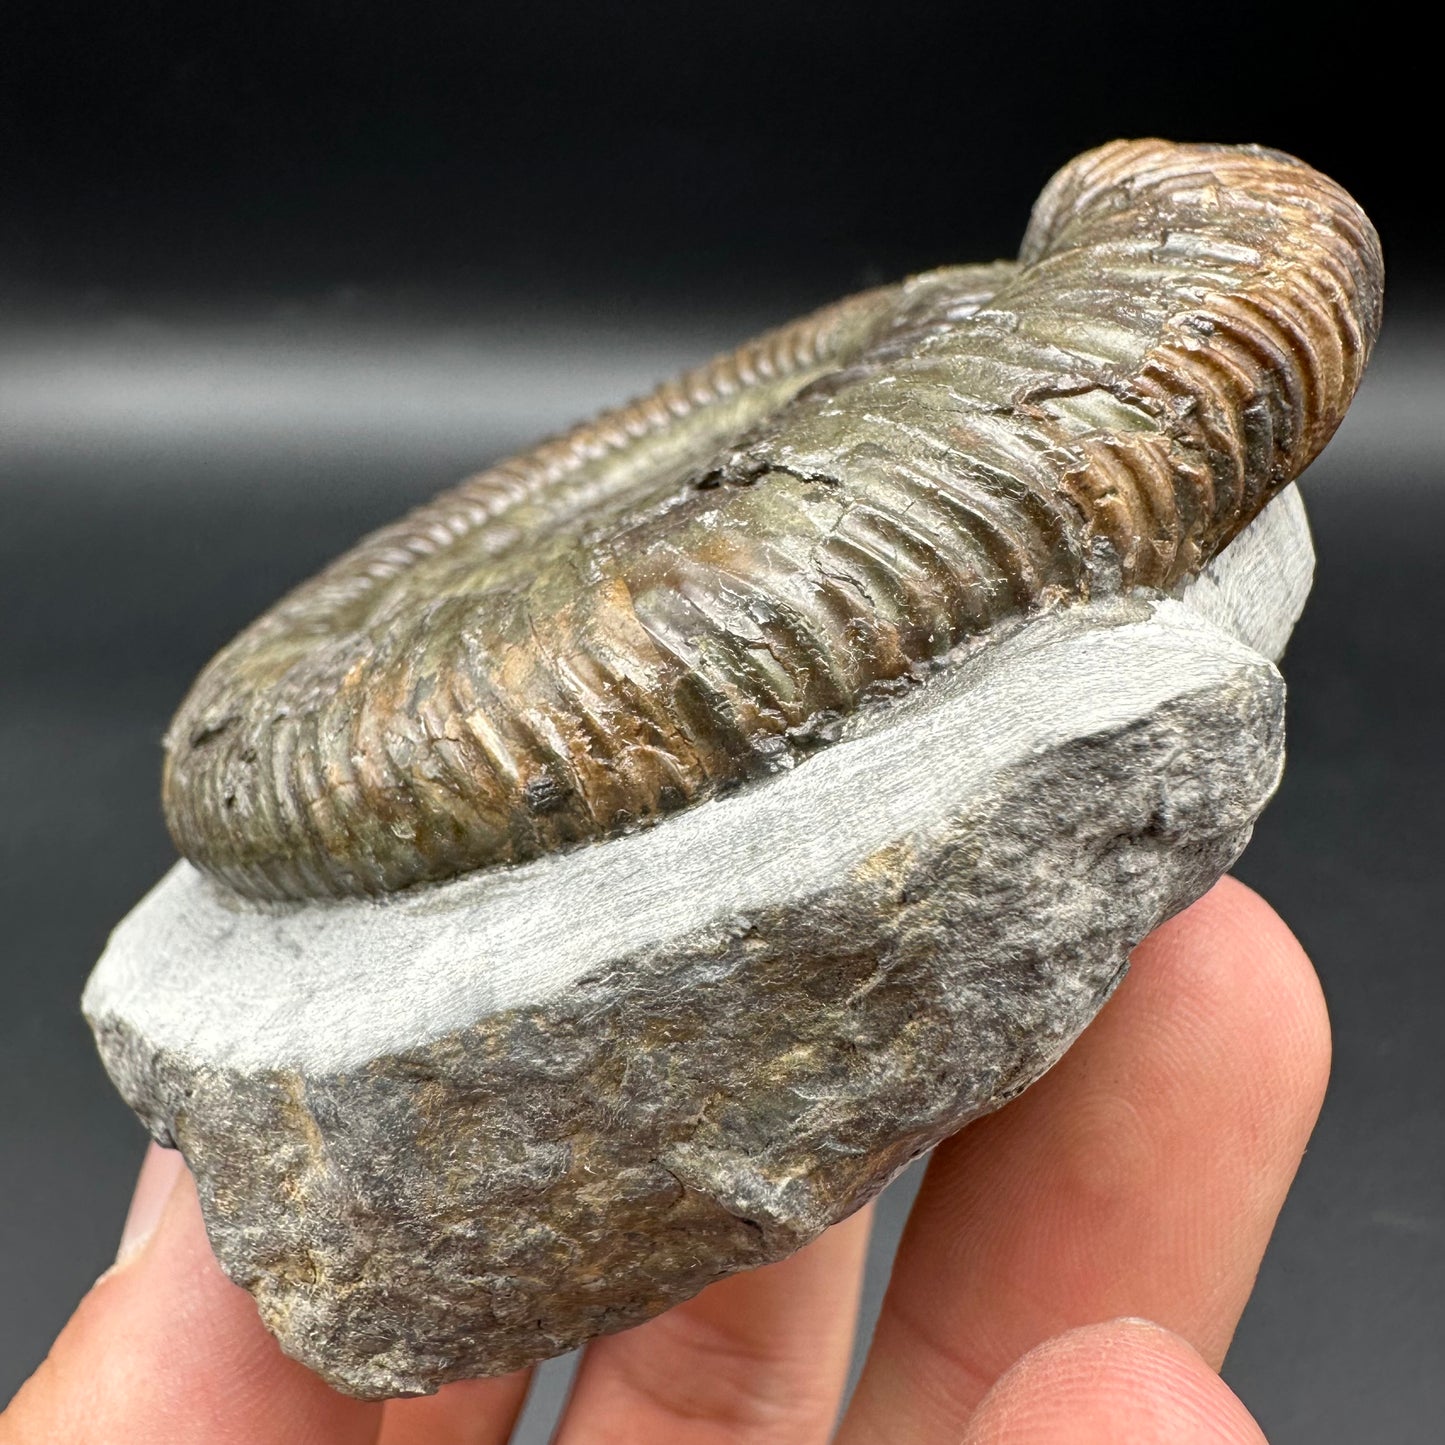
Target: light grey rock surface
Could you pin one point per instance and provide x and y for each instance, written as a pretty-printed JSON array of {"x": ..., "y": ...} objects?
[
  {"x": 1257, "y": 587},
  {"x": 468, "y": 1127}
]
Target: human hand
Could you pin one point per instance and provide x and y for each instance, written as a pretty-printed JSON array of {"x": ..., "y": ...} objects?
[{"x": 1138, "y": 1181}]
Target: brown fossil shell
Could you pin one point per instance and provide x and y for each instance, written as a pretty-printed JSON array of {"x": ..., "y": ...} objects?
[{"x": 689, "y": 590}]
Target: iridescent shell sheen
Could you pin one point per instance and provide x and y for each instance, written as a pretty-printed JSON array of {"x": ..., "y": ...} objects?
[{"x": 690, "y": 590}]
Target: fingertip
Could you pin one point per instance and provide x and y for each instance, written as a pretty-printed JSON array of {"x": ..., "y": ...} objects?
[
  {"x": 1233, "y": 964},
  {"x": 1127, "y": 1379},
  {"x": 159, "y": 1172}
]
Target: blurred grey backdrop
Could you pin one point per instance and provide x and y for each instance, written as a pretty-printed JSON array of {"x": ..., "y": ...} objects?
[{"x": 264, "y": 285}]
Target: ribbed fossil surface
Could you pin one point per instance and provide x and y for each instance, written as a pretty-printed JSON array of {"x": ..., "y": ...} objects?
[{"x": 690, "y": 590}]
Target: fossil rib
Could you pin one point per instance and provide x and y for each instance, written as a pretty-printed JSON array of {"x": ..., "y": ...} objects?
[{"x": 691, "y": 589}]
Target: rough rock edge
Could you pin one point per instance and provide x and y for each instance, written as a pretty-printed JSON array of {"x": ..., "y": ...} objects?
[{"x": 577, "y": 1164}]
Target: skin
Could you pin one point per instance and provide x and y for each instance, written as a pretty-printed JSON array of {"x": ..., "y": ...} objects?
[{"x": 1073, "y": 1271}]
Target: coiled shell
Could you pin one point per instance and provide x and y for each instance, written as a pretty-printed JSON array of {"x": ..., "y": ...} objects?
[{"x": 687, "y": 591}]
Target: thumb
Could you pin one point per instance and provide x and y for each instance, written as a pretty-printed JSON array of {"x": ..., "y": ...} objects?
[
  {"x": 165, "y": 1350},
  {"x": 1102, "y": 1384}
]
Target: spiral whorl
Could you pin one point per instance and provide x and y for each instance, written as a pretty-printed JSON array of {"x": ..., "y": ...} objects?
[{"x": 689, "y": 590}]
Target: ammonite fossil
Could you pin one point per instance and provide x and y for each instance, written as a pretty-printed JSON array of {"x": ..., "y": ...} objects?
[
  {"x": 613, "y": 873},
  {"x": 689, "y": 590}
]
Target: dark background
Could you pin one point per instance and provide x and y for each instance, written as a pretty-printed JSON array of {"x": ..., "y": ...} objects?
[{"x": 268, "y": 274}]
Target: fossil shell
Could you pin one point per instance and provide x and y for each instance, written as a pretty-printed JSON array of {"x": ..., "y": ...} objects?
[{"x": 692, "y": 589}]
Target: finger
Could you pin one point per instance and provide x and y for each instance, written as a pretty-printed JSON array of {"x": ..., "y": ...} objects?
[
  {"x": 757, "y": 1359},
  {"x": 471, "y": 1412},
  {"x": 1102, "y": 1384},
  {"x": 1141, "y": 1177},
  {"x": 165, "y": 1348},
  {"x": 160, "y": 1171}
]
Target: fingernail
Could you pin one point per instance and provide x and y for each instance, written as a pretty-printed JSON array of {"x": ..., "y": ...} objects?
[{"x": 158, "y": 1175}]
